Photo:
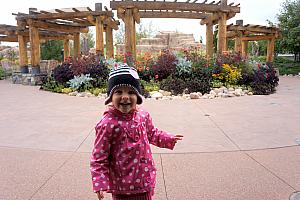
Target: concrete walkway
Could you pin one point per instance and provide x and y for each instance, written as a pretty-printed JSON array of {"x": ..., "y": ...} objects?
[{"x": 241, "y": 148}]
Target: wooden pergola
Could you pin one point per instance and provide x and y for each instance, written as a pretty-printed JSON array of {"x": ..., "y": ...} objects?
[
  {"x": 60, "y": 24},
  {"x": 244, "y": 33},
  {"x": 131, "y": 11}
]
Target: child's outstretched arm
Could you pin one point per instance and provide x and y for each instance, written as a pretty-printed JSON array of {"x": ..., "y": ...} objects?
[
  {"x": 99, "y": 163},
  {"x": 160, "y": 138}
]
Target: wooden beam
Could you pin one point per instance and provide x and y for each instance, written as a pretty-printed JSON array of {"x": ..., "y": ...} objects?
[
  {"x": 66, "y": 15},
  {"x": 121, "y": 13},
  {"x": 112, "y": 24},
  {"x": 270, "y": 49},
  {"x": 136, "y": 15},
  {"x": 34, "y": 45},
  {"x": 8, "y": 38},
  {"x": 66, "y": 49},
  {"x": 109, "y": 43},
  {"x": 214, "y": 18},
  {"x": 23, "y": 60},
  {"x": 238, "y": 45},
  {"x": 244, "y": 48},
  {"x": 76, "y": 44},
  {"x": 222, "y": 33},
  {"x": 147, "y": 5},
  {"x": 56, "y": 27},
  {"x": 254, "y": 29},
  {"x": 91, "y": 19},
  {"x": 99, "y": 35},
  {"x": 129, "y": 32},
  {"x": 184, "y": 15},
  {"x": 258, "y": 37},
  {"x": 209, "y": 40}
]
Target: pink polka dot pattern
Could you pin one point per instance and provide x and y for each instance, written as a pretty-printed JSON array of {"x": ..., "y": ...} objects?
[{"x": 121, "y": 161}]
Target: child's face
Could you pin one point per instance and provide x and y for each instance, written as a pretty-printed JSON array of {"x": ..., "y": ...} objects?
[{"x": 124, "y": 99}]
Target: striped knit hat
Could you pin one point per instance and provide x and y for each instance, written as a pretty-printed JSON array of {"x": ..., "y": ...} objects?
[{"x": 123, "y": 75}]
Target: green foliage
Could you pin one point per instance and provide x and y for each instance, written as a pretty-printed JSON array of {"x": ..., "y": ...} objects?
[
  {"x": 174, "y": 85},
  {"x": 97, "y": 91},
  {"x": 67, "y": 90},
  {"x": 286, "y": 66},
  {"x": 183, "y": 67},
  {"x": 2, "y": 73},
  {"x": 289, "y": 22},
  {"x": 11, "y": 55},
  {"x": 51, "y": 85},
  {"x": 81, "y": 83},
  {"x": 150, "y": 86},
  {"x": 52, "y": 50}
]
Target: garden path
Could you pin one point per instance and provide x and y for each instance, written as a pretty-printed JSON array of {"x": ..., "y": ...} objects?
[{"x": 234, "y": 148}]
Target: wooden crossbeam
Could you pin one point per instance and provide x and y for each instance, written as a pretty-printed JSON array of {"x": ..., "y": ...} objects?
[
  {"x": 66, "y": 15},
  {"x": 56, "y": 27},
  {"x": 253, "y": 28},
  {"x": 173, "y": 6},
  {"x": 9, "y": 38},
  {"x": 258, "y": 37},
  {"x": 164, "y": 14}
]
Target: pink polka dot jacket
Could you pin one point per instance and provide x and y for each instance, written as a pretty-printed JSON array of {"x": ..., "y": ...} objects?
[{"x": 121, "y": 161}]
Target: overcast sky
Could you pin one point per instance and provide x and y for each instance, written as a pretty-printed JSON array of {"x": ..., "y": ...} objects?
[{"x": 252, "y": 12}]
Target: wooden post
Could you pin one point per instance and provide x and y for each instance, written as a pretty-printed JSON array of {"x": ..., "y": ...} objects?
[
  {"x": 109, "y": 43},
  {"x": 129, "y": 38},
  {"x": 99, "y": 30},
  {"x": 34, "y": 45},
  {"x": 238, "y": 44},
  {"x": 222, "y": 45},
  {"x": 66, "y": 49},
  {"x": 133, "y": 39},
  {"x": 270, "y": 49},
  {"x": 244, "y": 48},
  {"x": 222, "y": 33},
  {"x": 76, "y": 44},
  {"x": 99, "y": 35},
  {"x": 209, "y": 40},
  {"x": 23, "y": 50}
]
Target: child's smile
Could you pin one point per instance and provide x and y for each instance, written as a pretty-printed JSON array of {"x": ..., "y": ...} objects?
[{"x": 124, "y": 99}]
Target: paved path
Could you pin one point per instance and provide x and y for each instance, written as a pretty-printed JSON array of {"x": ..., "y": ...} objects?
[{"x": 241, "y": 148}]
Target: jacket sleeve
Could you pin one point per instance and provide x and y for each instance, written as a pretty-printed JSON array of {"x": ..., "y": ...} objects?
[
  {"x": 99, "y": 163},
  {"x": 158, "y": 137}
]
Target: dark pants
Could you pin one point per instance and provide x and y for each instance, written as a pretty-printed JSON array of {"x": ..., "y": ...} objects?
[{"x": 141, "y": 196}]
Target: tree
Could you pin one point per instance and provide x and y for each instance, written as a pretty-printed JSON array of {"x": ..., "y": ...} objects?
[
  {"x": 86, "y": 42},
  {"x": 142, "y": 30},
  {"x": 289, "y": 23},
  {"x": 52, "y": 49}
]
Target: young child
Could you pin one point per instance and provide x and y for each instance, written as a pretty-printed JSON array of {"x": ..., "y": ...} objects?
[{"x": 121, "y": 161}]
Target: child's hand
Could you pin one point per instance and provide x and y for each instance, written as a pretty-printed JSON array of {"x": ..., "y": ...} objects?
[
  {"x": 100, "y": 195},
  {"x": 178, "y": 137}
]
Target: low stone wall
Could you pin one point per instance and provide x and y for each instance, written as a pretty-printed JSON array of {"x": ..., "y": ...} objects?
[
  {"x": 46, "y": 66},
  {"x": 27, "y": 79}
]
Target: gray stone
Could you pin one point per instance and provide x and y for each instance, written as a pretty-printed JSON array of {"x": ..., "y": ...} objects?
[{"x": 295, "y": 196}]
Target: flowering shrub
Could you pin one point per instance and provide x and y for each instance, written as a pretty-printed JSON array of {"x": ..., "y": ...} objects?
[
  {"x": 63, "y": 73},
  {"x": 165, "y": 65},
  {"x": 144, "y": 63},
  {"x": 229, "y": 75},
  {"x": 264, "y": 80}
]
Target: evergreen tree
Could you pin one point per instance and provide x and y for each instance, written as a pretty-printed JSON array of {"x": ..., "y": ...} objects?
[{"x": 52, "y": 50}]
